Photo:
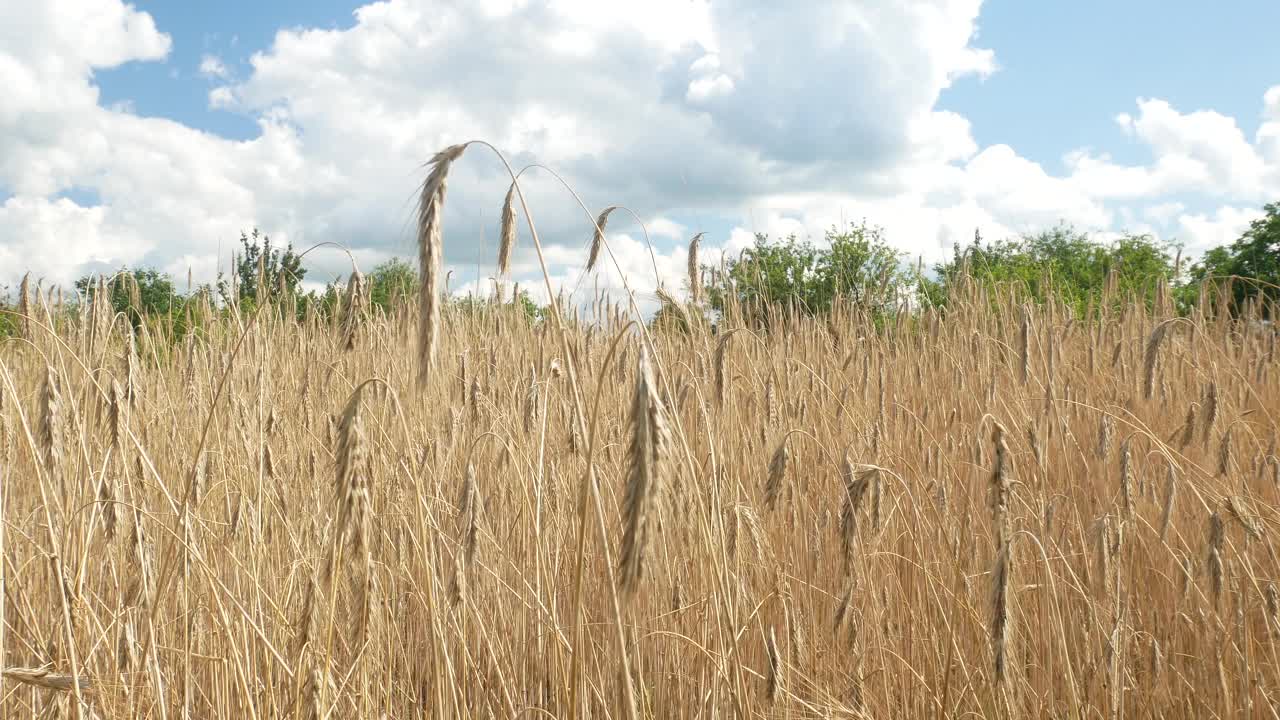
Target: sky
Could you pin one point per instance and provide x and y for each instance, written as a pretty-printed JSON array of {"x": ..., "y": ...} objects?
[{"x": 154, "y": 133}]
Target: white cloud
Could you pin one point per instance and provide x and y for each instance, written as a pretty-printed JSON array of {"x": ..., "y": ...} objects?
[
  {"x": 1221, "y": 228},
  {"x": 212, "y": 66},
  {"x": 669, "y": 107},
  {"x": 661, "y": 227},
  {"x": 29, "y": 227},
  {"x": 1201, "y": 152},
  {"x": 1163, "y": 213}
]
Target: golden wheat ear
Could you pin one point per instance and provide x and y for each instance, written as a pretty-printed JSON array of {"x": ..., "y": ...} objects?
[
  {"x": 507, "y": 233},
  {"x": 597, "y": 240},
  {"x": 695, "y": 281},
  {"x": 430, "y": 251},
  {"x": 648, "y": 460}
]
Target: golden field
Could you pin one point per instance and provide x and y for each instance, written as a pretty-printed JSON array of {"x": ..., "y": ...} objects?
[{"x": 1002, "y": 510}]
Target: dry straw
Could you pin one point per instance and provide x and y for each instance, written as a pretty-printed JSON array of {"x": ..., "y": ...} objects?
[
  {"x": 44, "y": 677},
  {"x": 1170, "y": 497},
  {"x": 773, "y": 674}
]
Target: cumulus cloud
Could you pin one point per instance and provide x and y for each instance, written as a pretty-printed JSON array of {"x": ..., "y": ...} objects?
[
  {"x": 675, "y": 108},
  {"x": 1219, "y": 228}
]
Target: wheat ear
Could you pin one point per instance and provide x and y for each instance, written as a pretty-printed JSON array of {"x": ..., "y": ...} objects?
[
  {"x": 507, "y": 232},
  {"x": 650, "y": 440},
  {"x": 430, "y": 251},
  {"x": 597, "y": 240},
  {"x": 695, "y": 284}
]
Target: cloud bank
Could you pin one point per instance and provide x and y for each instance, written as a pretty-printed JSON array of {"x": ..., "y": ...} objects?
[{"x": 693, "y": 114}]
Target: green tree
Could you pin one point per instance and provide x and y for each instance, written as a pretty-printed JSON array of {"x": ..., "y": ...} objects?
[
  {"x": 475, "y": 307},
  {"x": 10, "y": 325},
  {"x": 262, "y": 271},
  {"x": 137, "y": 293},
  {"x": 391, "y": 283},
  {"x": 859, "y": 266},
  {"x": 1254, "y": 257},
  {"x": 395, "y": 282},
  {"x": 856, "y": 266},
  {"x": 1059, "y": 262}
]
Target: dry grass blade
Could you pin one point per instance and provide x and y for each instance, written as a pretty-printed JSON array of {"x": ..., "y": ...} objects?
[
  {"x": 772, "y": 677},
  {"x": 1170, "y": 497},
  {"x": 1126, "y": 478},
  {"x": 1024, "y": 347},
  {"x": 42, "y": 677}
]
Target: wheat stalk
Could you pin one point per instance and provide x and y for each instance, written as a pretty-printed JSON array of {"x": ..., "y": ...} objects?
[{"x": 44, "y": 677}]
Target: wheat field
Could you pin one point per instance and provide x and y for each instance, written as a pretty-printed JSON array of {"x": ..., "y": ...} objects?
[{"x": 998, "y": 509}]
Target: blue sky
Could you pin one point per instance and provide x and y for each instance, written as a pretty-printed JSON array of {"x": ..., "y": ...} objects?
[
  {"x": 232, "y": 31},
  {"x": 1066, "y": 69},
  {"x": 142, "y": 134}
]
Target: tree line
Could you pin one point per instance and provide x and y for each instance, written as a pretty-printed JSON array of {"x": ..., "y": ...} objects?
[{"x": 855, "y": 266}]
